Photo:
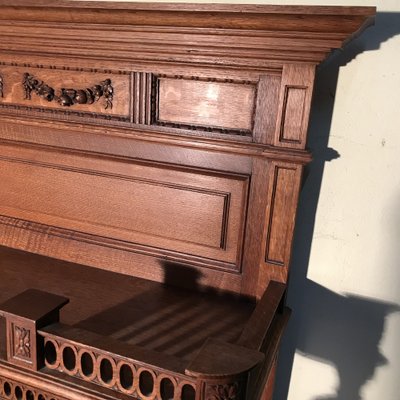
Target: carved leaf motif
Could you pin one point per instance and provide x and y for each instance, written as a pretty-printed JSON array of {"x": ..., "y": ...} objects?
[
  {"x": 22, "y": 342},
  {"x": 223, "y": 392}
]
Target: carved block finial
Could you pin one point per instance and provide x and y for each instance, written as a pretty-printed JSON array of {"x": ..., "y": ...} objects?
[{"x": 25, "y": 314}]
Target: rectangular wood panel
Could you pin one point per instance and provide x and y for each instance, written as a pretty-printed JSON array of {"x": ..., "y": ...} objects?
[
  {"x": 14, "y": 95},
  {"x": 294, "y": 105},
  {"x": 200, "y": 103},
  {"x": 280, "y": 216},
  {"x": 164, "y": 209},
  {"x": 268, "y": 91},
  {"x": 293, "y": 114}
]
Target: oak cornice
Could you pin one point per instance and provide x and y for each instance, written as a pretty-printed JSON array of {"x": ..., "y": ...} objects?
[{"x": 254, "y": 36}]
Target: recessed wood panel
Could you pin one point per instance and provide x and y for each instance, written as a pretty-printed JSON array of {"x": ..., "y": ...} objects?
[
  {"x": 164, "y": 209},
  {"x": 213, "y": 104},
  {"x": 281, "y": 215},
  {"x": 294, "y": 105},
  {"x": 293, "y": 114}
]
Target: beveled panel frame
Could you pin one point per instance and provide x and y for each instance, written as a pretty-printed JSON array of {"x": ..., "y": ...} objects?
[
  {"x": 212, "y": 235},
  {"x": 196, "y": 103}
]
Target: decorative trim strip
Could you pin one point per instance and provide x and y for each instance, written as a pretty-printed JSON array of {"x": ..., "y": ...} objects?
[
  {"x": 65, "y": 68},
  {"x": 142, "y": 93},
  {"x": 60, "y": 114},
  {"x": 69, "y": 97},
  {"x": 68, "y": 234}
]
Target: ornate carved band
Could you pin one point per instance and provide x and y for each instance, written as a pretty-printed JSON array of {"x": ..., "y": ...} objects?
[
  {"x": 114, "y": 371},
  {"x": 1, "y": 86},
  {"x": 11, "y": 389},
  {"x": 69, "y": 97},
  {"x": 229, "y": 391}
]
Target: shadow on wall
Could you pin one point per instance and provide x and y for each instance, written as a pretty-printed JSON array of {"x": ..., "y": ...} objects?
[{"x": 343, "y": 331}]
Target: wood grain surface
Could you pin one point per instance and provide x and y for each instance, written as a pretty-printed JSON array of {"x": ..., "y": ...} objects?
[
  {"x": 178, "y": 180},
  {"x": 143, "y": 204},
  {"x": 165, "y": 319},
  {"x": 13, "y": 92},
  {"x": 206, "y": 103}
]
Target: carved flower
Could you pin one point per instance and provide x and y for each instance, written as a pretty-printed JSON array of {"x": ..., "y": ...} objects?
[
  {"x": 223, "y": 392},
  {"x": 22, "y": 343}
]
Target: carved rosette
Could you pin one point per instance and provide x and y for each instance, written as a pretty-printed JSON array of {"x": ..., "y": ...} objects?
[
  {"x": 229, "y": 391},
  {"x": 22, "y": 343},
  {"x": 69, "y": 97}
]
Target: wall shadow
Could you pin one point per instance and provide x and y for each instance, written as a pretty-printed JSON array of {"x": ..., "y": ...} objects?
[{"x": 343, "y": 331}]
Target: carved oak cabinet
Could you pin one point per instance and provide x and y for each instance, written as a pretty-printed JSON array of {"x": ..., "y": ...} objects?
[{"x": 150, "y": 163}]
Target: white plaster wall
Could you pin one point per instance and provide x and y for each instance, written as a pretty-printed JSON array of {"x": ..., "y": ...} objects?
[
  {"x": 344, "y": 332},
  {"x": 355, "y": 250}
]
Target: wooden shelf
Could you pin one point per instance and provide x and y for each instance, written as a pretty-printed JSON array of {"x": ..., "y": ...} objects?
[{"x": 132, "y": 310}]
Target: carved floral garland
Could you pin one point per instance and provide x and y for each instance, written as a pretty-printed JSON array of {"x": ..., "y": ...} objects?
[{"x": 69, "y": 97}]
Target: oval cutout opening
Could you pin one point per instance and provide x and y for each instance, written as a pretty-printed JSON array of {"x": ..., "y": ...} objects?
[
  {"x": 50, "y": 353},
  {"x": 188, "y": 392},
  {"x": 18, "y": 393},
  {"x": 146, "y": 383},
  {"x": 126, "y": 376},
  {"x": 69, "y": 358},
  {"x": 87, "y": 364},
  {"x": 167, "y": 389},
  {"x": 29, "y": 395},
  {"x": 106, "y": 371},
  {"x": 7, "y": 389}
]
